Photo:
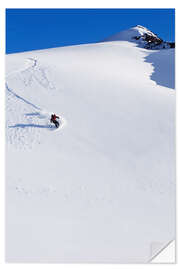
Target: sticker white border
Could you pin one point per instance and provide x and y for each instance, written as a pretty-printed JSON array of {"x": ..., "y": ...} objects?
[{"x": 71, "y": 4}]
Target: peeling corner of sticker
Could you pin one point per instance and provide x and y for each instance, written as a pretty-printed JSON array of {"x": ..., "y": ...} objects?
[{"x": 155, "y": 248}]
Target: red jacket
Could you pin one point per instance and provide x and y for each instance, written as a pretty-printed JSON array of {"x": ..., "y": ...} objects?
[{"x": 53, "y": 117}]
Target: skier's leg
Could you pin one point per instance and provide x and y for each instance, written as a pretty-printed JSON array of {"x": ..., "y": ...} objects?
[{"x": 56, "y": 123}]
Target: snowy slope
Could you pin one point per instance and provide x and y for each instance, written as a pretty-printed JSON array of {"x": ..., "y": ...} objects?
[{"x": 101, "y": 188}]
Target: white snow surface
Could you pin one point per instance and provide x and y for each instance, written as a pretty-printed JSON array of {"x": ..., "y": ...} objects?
[{"x": 101, "y": 188}]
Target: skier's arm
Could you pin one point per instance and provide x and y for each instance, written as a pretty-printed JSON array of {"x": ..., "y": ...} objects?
[{"x": 57, "y": 116}]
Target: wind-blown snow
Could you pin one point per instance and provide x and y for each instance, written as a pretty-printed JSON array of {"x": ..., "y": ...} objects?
[{"x": 101, "y": 188}]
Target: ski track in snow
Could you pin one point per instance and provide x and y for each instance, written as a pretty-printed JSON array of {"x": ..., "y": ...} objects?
[
  {"x": 25, "y": 120},
  {"x": 33, "y": 71},
  {"x": 31, "y": 192}
]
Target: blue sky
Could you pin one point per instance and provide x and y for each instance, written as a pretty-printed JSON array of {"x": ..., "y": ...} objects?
[{"x": 32, "y": 29}]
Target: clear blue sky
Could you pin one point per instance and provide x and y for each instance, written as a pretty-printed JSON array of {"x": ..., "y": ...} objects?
[{"x": 32, "y": 29}]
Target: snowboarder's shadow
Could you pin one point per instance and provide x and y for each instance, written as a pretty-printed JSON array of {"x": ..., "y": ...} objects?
[{"x": 30, "y": 125}]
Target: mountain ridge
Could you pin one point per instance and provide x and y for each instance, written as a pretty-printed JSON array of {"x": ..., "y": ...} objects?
[{"x": 143, "y": 37}]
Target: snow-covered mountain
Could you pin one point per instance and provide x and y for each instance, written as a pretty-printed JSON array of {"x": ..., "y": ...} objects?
[
  {"x": 101, "y": 188},
  {"x": 142, "y": 37}
]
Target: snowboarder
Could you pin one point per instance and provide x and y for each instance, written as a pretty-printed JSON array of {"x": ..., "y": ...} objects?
[{"x": 54, "y": 121}]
